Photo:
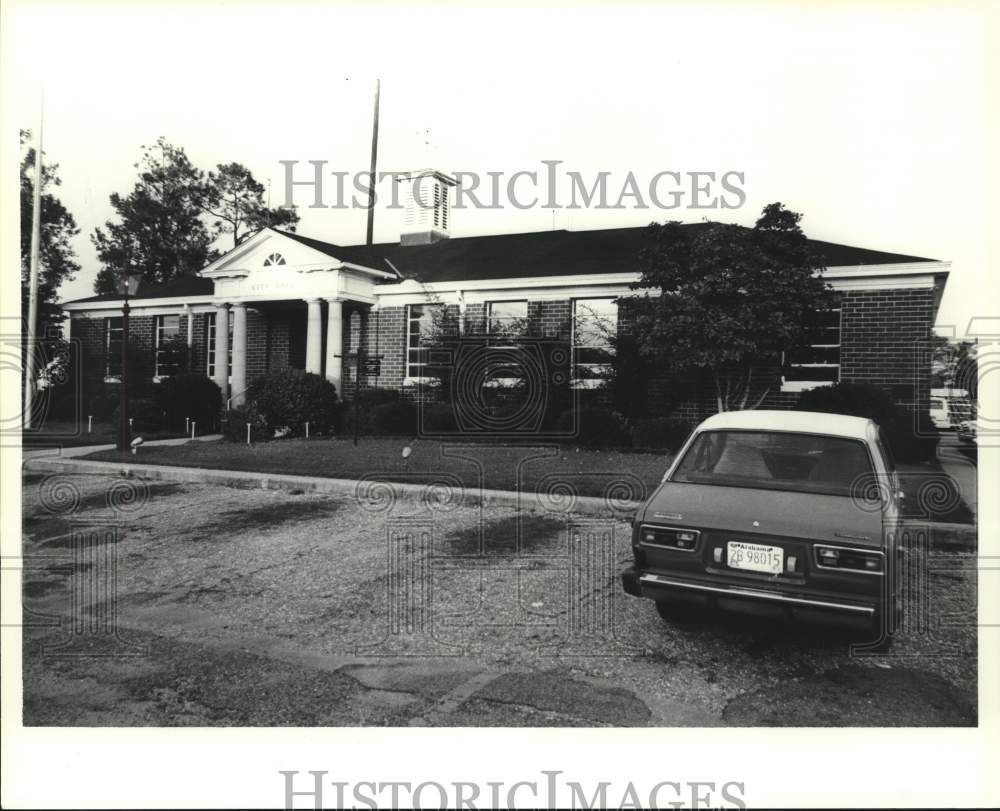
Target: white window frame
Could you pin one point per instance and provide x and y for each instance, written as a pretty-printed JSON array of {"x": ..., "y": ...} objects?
[
  {"x": 588, "y": 382},
  {"x": 490, "y": 318},
  {"x": 158, "y": 342},
  {"x": 414, "y": 369},
  {"x": 108, "y": 377},
  {"x": 807, "y": 385},
  {"x": 210, "y": 343}
]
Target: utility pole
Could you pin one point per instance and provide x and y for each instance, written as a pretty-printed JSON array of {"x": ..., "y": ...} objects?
[
  {"x": 36, "y": 232},
  {"x": 371, "y": 174}
]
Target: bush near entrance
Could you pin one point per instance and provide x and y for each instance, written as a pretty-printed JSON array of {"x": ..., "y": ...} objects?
[{"x": 289, "y": 398}]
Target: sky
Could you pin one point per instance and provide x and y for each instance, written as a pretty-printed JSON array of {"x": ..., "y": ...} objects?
[{"x": 873, "y": 122}]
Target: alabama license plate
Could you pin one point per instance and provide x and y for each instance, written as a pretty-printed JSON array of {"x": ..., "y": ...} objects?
[{"x": 755, "y": 557}]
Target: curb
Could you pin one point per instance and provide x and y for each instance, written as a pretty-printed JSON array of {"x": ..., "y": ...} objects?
[{"x": 375, "y": 495}]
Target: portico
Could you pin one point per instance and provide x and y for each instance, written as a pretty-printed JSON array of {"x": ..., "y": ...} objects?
[{"x": 273, "y": 270}]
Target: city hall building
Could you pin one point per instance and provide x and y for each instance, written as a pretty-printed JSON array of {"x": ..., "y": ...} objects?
[{"x": 281, "y": 299}]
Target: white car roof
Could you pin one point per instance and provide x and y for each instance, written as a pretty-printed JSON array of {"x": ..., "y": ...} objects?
[{"x": 805, "y": 422}]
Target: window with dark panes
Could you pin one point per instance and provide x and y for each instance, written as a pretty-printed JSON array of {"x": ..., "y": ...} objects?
[
  {"x": 819, "y": 360},
  {"x": 595, "y": 326},
  {"x": 167, "y": 328},
  {"x": 113, "y": 347}
]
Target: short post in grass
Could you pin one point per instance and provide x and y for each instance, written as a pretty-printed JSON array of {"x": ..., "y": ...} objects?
[
  {"x": 193, "y": 423},
  {"x": 248, "y": 433},
  {"x": 90, "y": 424},
  {"x": 187, "y": 424},
  {"x": 130, "y": 423},
  {"x": 307, "y": 429}
]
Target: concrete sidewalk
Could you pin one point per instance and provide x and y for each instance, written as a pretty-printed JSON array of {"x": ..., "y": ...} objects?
[{"x": 84, "y": 450}]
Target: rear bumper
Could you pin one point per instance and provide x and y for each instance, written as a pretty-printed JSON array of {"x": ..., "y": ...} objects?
[{"x": 744, "y": 599}]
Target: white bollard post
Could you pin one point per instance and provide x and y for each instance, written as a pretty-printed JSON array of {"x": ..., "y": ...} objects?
[
  {"x": 192, "y": 429},
  {"x": 307, "y": 430},
  {"x": 90, "y": 424},
  {"x": 248, "y": 433},
  {"x": 187, "y": 424},
  {"x": 129, "y": 422}
]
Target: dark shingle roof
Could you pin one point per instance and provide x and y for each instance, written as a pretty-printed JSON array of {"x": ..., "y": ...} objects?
[
  {"x": 180, "y": 287},
  {"x": 542, "y": 253},
  {"x": 506, "y": 256}
]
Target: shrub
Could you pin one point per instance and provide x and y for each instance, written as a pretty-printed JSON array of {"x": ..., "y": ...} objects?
[
  {"x": 595, "y": 427},
  {"x": 290, "y": 398},
  {"x": 103, "y": 402},
  {"x": 190, "y": 395},
  {"x": 911, "y": 436},
  {"x": 369, "y": 398},
  {"x": 660, "y": 433},
  {"x": 146, "y": 416},
  {"x": 234, "y": 425},
  {"x": 855, "y": 399},
  {"x": 438, "y": 418},
  {"x": 394, "y": 419}
]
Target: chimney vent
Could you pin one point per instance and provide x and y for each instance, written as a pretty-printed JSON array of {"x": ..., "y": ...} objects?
[{"x": 427, "y": 214}]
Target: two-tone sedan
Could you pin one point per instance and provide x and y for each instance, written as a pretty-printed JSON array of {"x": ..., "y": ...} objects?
[{"x": 782, "y": 513}]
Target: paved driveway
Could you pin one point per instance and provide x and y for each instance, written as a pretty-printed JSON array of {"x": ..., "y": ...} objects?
[{"x": 168, "y": 604}]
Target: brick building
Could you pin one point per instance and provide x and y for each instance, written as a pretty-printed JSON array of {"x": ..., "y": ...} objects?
[{"x": 281, "y": 299}]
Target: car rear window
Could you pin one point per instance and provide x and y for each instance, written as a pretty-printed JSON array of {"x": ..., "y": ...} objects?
[{"x": 776, "y": 460}]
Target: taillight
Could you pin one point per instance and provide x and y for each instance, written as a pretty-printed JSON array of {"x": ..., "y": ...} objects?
[
  {"x": 670, "y": 537},
  {"x": 855, "y": 560}
]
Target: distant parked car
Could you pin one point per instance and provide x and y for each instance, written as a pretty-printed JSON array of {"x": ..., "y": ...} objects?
[
  {"x": 967, "y": 432},
  {"x": 783, "y": 513}
]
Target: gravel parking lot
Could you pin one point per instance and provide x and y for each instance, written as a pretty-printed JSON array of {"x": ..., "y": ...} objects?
[{"x": 166, "y": 604}]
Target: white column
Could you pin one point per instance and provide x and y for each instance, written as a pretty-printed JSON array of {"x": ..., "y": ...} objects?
[
  {"x": 239, "y": 353},
  {"x": 314, "y": 337},
  {"x": 222, "y": 349},
  {"x": 335, "y": 344}
]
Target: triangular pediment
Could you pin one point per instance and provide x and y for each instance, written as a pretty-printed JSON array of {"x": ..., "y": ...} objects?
[{"x": 270, "y": 252}]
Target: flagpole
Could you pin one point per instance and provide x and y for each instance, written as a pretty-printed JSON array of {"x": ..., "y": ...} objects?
[
  {"x": 371, "y": 174},
  {"x": 36, "y": 231}
]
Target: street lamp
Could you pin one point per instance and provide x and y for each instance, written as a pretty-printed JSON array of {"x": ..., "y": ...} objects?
[{"x": 127, "y": 285}]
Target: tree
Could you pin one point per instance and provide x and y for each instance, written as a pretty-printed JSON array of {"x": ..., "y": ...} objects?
[
  {"x": 57, "y": 258},
  {"x": 160, "y": 227},
  {"x": 725, "y": 300},
  {"x": 235, "y": 201}
]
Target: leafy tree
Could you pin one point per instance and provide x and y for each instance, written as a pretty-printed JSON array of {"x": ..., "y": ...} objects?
[
  {"x": 235, "y": 201},
  {"x": 160, "y": 226},
  {"x": 57, "y": 259},
  {"x": 725, "y": 300}
]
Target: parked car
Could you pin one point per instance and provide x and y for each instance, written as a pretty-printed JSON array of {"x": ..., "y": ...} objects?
[
  {"x": 782, "y": 513},
  {"x": 967, "y": 432}
]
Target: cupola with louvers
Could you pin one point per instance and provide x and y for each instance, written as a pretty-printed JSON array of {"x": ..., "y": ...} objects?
[{"x": 427, "y": 213}]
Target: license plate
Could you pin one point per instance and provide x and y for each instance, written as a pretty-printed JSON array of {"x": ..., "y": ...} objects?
[{"x": 755, "y": 557}]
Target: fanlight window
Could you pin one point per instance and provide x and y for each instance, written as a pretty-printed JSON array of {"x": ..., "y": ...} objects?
[{"x": 274, "y": 259}]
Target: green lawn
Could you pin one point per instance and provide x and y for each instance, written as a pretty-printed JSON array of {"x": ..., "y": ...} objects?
[{"x": 537, "y": 469}]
